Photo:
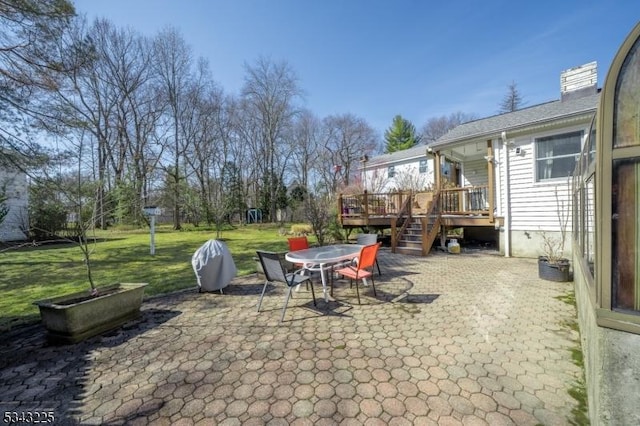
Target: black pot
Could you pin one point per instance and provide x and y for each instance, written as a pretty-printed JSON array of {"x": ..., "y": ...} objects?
[{"x": 558, "y": 272}]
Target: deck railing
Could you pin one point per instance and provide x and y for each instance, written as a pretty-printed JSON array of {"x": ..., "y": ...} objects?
[
  {"x": 371, "y": 204},
  {"x": 467, "y": 200},
  {"x": 471, "y": 200}
]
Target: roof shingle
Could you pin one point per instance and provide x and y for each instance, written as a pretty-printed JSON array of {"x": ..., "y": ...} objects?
[{"x": 537, "y": 114}]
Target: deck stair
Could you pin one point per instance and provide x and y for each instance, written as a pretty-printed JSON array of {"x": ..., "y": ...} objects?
[
  {"x": 410, "y": 242},
  {"x": 421, "y": 231}
]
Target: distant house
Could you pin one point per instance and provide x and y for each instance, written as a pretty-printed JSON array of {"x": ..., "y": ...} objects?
[
  {"x": 505, "y": 178},
  {"x": 400, "y": 170},
  {"x": 14, "y": 185}
]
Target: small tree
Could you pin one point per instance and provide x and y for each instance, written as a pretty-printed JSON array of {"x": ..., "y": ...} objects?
[
  {"x": 512, "y": 101},
  {"x": 70, "y": 199},
  {"x": 553, "y": 246},
  {"x": 297, "y": 196},
  {"x": 47, "y": 214},
  {"x": 410, "y": 179},
  {"x": 318, "y": 213},
  {"x": 401, "y": 135}
]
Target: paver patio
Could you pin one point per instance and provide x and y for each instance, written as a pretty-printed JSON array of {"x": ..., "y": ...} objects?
[{"x": 470, "y": 339}]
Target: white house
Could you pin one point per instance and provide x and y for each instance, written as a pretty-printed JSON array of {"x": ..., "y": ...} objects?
[
  {"x": 409, "y": 169},
  {"x": 505, "y": 178},
  {"x": 531, "y": 153},
  {"x": 14, "y": 186}
]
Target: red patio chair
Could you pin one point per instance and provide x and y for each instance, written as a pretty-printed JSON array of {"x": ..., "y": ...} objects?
[
  {"x": 364, "y": 268},
  {"x": 298, "y": 243}
]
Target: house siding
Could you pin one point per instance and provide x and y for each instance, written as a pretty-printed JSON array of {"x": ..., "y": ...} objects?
[
  {"x": 407, "y": 176},
  {"x": 475, "y": 173},
  {"x": 16, "y": 221},
  {"x": 533, "y": 204},
  {"x": 533, "y": 207}
]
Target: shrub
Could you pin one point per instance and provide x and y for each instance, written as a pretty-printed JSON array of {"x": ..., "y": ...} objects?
[
  {"x": 47, "y": 220},
  {"x": 301, "y": 229}
]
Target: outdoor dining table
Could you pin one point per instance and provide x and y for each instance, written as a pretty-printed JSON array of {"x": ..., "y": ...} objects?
[{"x": 321, "y": 258}]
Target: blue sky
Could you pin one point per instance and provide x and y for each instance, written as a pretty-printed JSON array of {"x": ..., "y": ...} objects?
[{"x": 376, "y": 59}]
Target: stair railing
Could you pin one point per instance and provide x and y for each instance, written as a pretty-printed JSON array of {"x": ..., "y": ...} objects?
[
  {"x": 432, "y": 218},
  {"x": 404, "y": 217}
]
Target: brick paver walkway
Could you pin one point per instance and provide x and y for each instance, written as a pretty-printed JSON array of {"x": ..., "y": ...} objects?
[{"x": 470, "y": 339}]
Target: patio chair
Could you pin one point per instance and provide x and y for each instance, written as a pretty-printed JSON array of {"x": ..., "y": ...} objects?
[
  {"x": 364, "y": 268},
  {"x": 366, "y": 240},
  {"x": 298, "y": 243},
  {"x": 274, "y": 272}
]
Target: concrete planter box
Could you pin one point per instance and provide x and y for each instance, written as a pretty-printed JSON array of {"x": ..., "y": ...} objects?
[{"x": 77, "y": 316}]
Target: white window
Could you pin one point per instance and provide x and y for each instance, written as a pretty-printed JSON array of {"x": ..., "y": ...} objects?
[
  {"x": 423, "y": 166},
  {"x": 391, "y": 172},
  {"x": 556, "y": 155}
]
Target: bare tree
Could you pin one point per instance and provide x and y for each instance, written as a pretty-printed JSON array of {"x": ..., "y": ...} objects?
[
  {"x": 111, "y": 99},
  {"x": 173, "y": 61},
  {"x": 247, "y": 132},
  {"x": 206, "y": 149},
  {"x": 512, "y": 101},
  {"x": 409, "y": 179},
  {"x": 269, "y": 93},
  {"x": 125, "y": 64},
  {"x": 347, "y": 139},
  {"x": 305, "y": 147},
  {"x": 233, "y": 137},
  {"x": 436, "y": 127},
  {"x": 318, "y": 214}
]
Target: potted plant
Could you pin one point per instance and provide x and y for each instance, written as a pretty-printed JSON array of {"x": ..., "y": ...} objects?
[
  {"x": 48, "y": 58},
  {"x": 74, "y": 317},
  {"x": 552, "y": 265}
]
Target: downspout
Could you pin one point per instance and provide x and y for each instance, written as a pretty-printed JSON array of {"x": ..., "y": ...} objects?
[{"x": 507, "y": 198}]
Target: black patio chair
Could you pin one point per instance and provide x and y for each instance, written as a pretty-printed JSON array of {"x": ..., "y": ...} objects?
[{"x": 274, "y": 271}]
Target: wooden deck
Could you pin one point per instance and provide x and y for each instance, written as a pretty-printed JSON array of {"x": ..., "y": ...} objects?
[
  {"x": 469, "y": 206},
  {"x": 380, "y": 222},
  {"x": 433, "y": 213}
]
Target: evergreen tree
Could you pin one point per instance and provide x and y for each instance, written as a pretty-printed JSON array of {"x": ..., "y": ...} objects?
[
  {"x": 400, "y": 136},
  {"x": 512, "y": 101},
  {"x": 233, "y": 187}
]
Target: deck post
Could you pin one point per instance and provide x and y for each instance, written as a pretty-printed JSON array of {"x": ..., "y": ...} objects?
[
  {"x": 365, "y": 205},
  {"x": 394, "y": 239},
  {"x": 340, "y": 209},
  {"x": 437, "y": 169},
  {"x": 423, "y": 234},
  {"x": 490, "y": 179}
]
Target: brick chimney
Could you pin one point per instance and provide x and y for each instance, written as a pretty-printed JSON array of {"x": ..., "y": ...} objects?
[{"x": 579, "y": 81}]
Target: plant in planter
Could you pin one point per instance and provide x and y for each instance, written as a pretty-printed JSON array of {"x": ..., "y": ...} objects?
[
  {"x": 74, "y": 317},
  {"x": 552, "y": 265},
  {"x": 48, "y": 59}
]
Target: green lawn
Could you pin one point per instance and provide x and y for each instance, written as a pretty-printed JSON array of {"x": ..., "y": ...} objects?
[{"x": 33, "y": 273}]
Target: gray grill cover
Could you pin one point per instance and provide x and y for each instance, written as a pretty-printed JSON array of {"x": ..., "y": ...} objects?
[{"x": 213, "y": 265}]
